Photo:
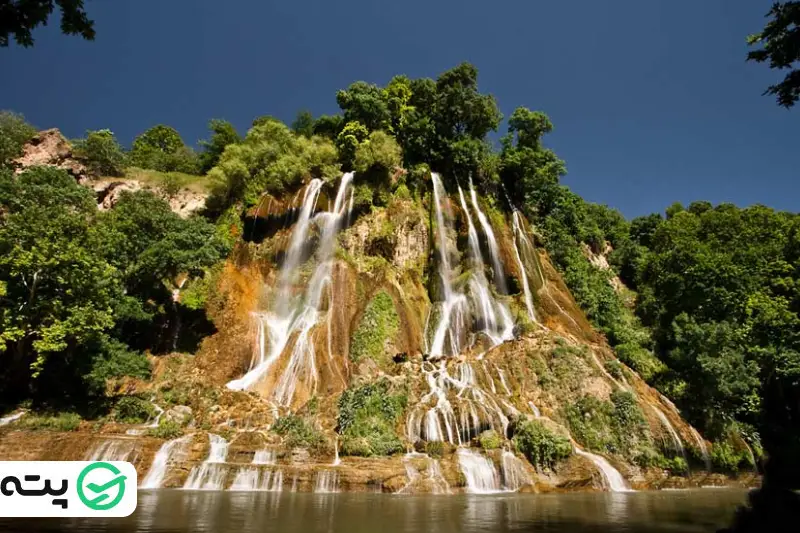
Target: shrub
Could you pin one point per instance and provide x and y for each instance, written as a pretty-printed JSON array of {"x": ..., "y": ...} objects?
[
  {"x": 367, "y": 417},
  {"x": 590, "y": 423},
  {"x": 378, "y": 324},
  {"x": 167, "y": 429},
  {"x": 490, "y": 440},
  {"x": 103, "y": 154},
  {"x": 542, "y": 447},
  {"x": 298, "y": 432},
  {"x": 57, "y": 422},
  {"x": 725, "y": 458},
  {"x": 434, "y": 448},
  {"x": 614, "y": 368},
  {"x": 133, "y": 410}
]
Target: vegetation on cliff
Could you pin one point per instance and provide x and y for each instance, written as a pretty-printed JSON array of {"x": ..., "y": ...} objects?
[{"x": 709, "y": 316}]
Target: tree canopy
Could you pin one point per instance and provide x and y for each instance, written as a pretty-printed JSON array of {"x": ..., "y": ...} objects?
[
  {"x": 18, "y": 19},
  {"x": 780, "y": 46}
]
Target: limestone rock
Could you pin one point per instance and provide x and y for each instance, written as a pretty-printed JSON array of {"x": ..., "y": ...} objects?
[
  {"x": 51, "y": 148},
  {"x": 181, "y": 414}
]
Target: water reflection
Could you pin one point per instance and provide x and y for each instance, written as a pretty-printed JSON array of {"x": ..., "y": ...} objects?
[{"x": 262, "y": 512}]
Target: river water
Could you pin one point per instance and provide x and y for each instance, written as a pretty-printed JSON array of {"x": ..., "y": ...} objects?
[{"x": 245, "y": 512}]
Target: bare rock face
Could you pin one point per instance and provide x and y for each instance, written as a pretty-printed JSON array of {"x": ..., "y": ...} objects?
[
  {"x": 51, "y": 148},
  {"x": 108, "y": 194}
]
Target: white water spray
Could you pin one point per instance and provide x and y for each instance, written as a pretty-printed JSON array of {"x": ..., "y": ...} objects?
[
  {"x": 210, "y": 475},
  {"x": 168, "y": 453},
  {"x": 479, "y": 471},
  {"x": 611, "y": 476}
]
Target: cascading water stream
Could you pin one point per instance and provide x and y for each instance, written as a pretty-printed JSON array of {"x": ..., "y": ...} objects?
[
  {"x": 165, "y": 456},
  {"x": 479, "y": 472},
  {"x": 210, "y": 475},
  {"x": 264, "y": 457},
  {"x": 112, "y": 450},
  {"x": 495, "y": 318},
  {"x": 327, "y": 481},
  {"x": 453, "y": 308},
  {"x": 519, "y": 234},
  {"x": 676, "y": 439},
  {"x": 293, "y": 317},
  {"x": 494, "y": 252},
  {"x": 461, "y": 409},
  {"x": 515, "y": 475},
  {"x": 611, "y": 476}
]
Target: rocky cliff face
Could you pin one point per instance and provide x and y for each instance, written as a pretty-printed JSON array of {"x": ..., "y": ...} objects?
[
  {"x": 51, "y": 148},
  {"x": 410, "y": 347}
]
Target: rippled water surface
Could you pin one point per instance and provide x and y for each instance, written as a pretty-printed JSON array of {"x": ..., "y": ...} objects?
[{"x": 245, "y": 512}]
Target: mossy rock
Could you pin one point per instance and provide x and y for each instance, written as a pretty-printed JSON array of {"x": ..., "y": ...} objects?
[{"x": 377, "y": 328}]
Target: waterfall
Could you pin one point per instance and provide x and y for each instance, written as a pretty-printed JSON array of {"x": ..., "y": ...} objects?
[
  {"x": 535, "y": 410},
  {"x": 264, "y": 457},
  {"x": 165, "y": 455},
  {"x": 111, "y": 450},
  {"x": 499, "y": 274},
  {"x": 519, "y": 234},
  {"x": 515, "y": 476},
  {"x": 436, "y": 480},
  {"x": 327, "y": 481},
  {"x": 471, "y": 411},
  {"x": 703, "y": 449},
  {"x": 12, "y": 417},
  {"x": 674, "y": 434},
  {"x": 336, "y": 460},
  {"x": 246, "y": 480},
  {"x": 295, "y": 318},
  {"x": 613, "y": 480},
  {"x": 479, "y": 471},
  {"x": 453, "y": 308},
  {"x": 252, "y": 479},
  {"x": 210, "y": 475},
  {"x": 495, "y": 318}
]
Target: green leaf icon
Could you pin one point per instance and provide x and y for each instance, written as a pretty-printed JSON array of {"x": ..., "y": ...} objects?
[{"x": 92, "y": 495}]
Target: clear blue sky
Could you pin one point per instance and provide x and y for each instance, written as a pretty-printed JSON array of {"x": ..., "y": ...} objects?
[{"x": 652, "y": 100}]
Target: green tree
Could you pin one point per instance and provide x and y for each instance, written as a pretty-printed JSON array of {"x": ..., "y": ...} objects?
[
  {"x": 14, "y": 133},
  {"x": 19, "y": 18},
  {"x": 103, "y": 154},
  {"x": 304, "y": 124},
  {"x": 780, "y": 41},
  {"x": 222, "y": 134},
  {"x": 57, "y": 291},
  {"x": 161, "y": 148},
  {"x": 270, "y": 159}
]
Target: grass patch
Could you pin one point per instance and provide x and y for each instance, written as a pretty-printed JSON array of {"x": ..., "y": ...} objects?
[
  {"x": 367, "y": 419},
  {"x": 49, "y": 422},
  {"x": 154, "y": 178},
  {"x": 378, "y": 324}
]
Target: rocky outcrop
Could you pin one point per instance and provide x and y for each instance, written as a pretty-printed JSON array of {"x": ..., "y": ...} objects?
[
  {"x": 51, "y": 148},
  {"x": 185, "y": 203}
]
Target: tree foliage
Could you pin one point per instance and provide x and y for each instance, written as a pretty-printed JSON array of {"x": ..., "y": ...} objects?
[
  {"x": 102, "y": 153},
  {"x": 780, "y": 41},
  {"x": 14, "y": 133},
  {"x": 270, "y": 159},
  {"x": 222, "y": 134},
  {"x": 19, "y": 18},
  {"x": 80, "y": 290},
  {"x": 161, "y": 148}
]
